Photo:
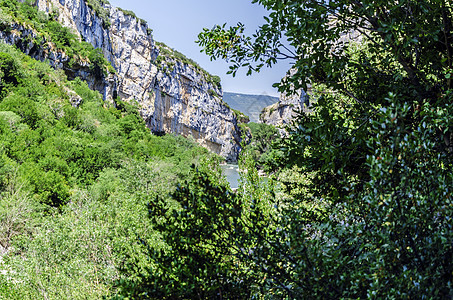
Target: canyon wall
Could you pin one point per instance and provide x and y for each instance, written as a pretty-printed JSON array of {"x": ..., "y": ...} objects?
[{"x": 174, "y": 95}]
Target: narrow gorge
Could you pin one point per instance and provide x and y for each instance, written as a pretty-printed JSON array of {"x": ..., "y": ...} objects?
[{"x": 173, "y": 93}]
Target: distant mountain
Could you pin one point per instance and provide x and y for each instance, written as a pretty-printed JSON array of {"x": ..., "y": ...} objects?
[{"x": 250, "y": 105}]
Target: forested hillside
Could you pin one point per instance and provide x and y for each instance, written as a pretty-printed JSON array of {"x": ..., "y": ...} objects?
[{"x": 75, "y": 176}]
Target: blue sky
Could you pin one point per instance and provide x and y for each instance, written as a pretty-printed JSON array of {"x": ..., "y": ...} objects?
[{"x": 178, "y": 22}]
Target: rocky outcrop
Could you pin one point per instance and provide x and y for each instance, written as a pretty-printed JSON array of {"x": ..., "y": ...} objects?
[
  {"x": 183, "y": 102},
  {"x": 26, "y": 39},
  {"x": 174, "y": 96},
  {"x": 283, "y": 112}
]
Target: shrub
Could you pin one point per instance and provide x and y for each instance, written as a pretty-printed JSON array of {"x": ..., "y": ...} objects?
[
  {"x": 22, "y": 106},
  {"x": 9, "y": 72}
]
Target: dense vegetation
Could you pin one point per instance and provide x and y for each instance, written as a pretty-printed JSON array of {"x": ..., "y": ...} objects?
[
  {"x": 92, "y": 205},
  {"x": 262, "y": 143},
  {"x": 372, "y": 215},
  {"x": 47, "y": 30},
  {"x": 74, "y": 183}
]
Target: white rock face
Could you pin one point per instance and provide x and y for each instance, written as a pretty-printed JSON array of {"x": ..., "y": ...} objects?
[
  {"x": 283, "y": 112},
  {"x": 22, "y": 37},
  {"x": 181, "y": 101}
]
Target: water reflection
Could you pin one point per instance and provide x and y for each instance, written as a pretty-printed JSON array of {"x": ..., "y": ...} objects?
[{"x": 232, "y": 174}]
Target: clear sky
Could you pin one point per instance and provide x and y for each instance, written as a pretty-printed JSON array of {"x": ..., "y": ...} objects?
[{"x": 178, "y": 22}]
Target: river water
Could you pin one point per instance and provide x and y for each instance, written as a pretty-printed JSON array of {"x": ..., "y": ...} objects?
[{"x": 232, "y": 174}]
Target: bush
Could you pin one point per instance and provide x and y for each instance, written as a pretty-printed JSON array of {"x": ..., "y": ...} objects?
[
  {"x": 22, "y": 106},
  {"x": 16, "y": 208},
  {"x": 61, "y": 36},
  {"x": 100, "y": 66},
  {"x": 196, "y": 231},
  {"x": 264, "y": 146},
  {"x": 50, "y": 188},
  {"x": 9, "y": 72}
]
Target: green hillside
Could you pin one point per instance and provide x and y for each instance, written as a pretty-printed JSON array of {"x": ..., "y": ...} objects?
[
  {"x": 74, "y": 183},
  {"x": 76, "y": 173}
]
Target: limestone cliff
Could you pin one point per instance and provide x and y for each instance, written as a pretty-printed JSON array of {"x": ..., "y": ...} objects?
[
  {"x": 174, "y": 95},
  {"x": 25, "y": 39},
  {"x": 282, "y": 112}
]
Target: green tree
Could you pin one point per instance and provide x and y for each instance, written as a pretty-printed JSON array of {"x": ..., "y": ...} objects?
[
  {"x": 61, "y": 36},
  {"x": 209, "y": 237},
  {"x": 9, "y": 72},
  {"x": 199, "y": 260},
  {"x": 260, "y": 146},
  {"x": 377, "y": 147}
]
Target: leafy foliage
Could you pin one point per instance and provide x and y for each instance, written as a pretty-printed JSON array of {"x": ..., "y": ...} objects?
[
  {"x": 375, "y": 153},
  {"x": 9, "y": 72},
  {"x": 200, "y": 255},
  {"x": 263, "y": 145},
  {"x": 211, "y": 240},
  {"x": 74, "y": 184}
]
